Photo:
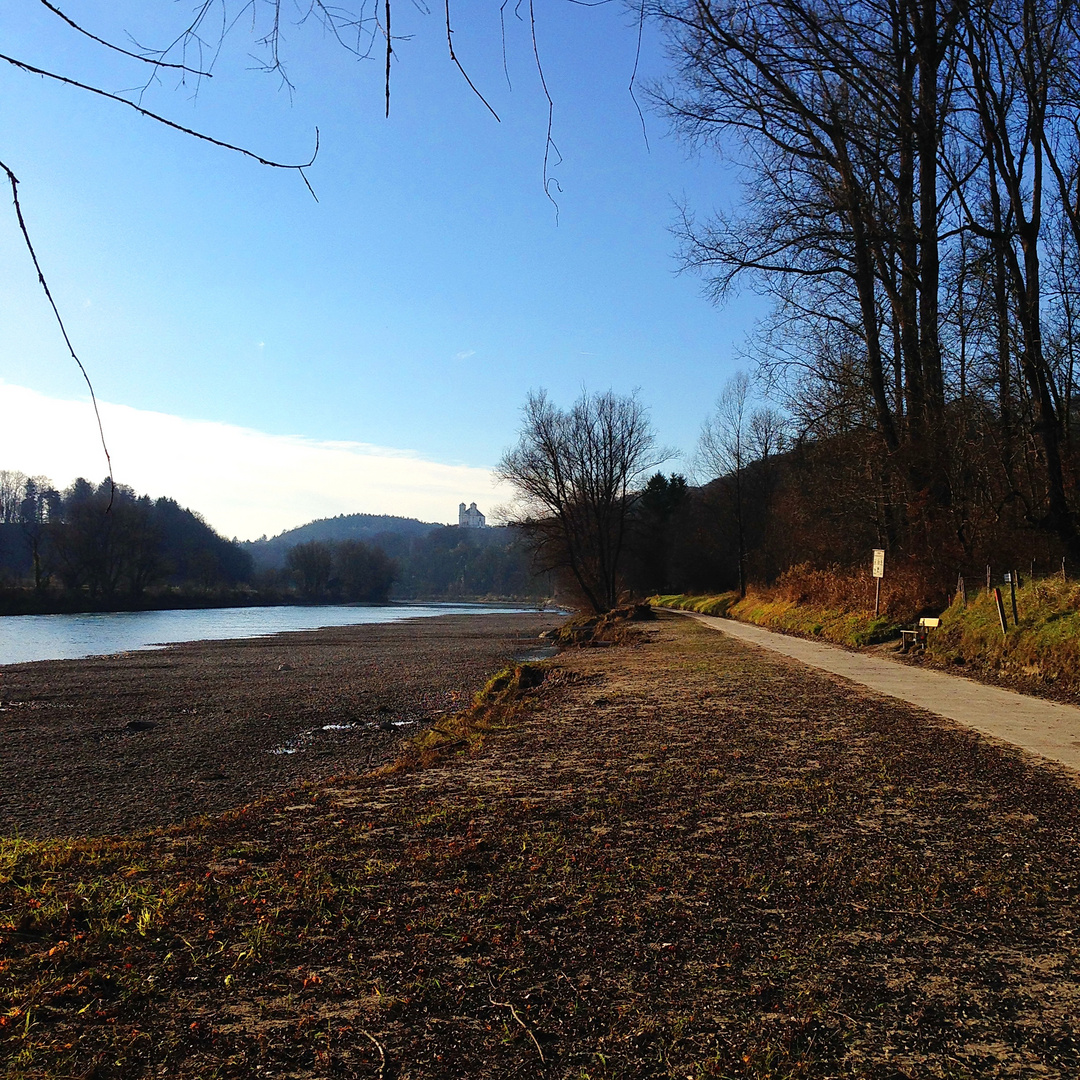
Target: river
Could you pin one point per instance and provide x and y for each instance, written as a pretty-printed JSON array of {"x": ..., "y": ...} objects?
[{"x": 70, "y": 637}]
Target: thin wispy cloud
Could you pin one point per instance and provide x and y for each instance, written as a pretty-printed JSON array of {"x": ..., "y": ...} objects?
[{"x": 244, "y": 482}]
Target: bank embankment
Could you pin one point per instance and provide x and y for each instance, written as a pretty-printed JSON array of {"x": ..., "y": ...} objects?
[
  {"x": 841, "y": 626},
  {"x": 1037, "y": 650},
  {"x": 676, "y": 856}
]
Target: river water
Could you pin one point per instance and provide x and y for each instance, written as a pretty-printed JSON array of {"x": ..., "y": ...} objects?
[{"x": 70, "y": 637}]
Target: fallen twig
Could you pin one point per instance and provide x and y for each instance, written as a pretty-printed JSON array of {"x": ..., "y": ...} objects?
[
  {"x": 528, "y": 1030},
  {"x": 382, "y": 1053},
  {"x": 919, "y": 915}
]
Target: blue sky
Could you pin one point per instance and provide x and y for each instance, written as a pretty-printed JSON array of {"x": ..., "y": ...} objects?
[{"x": 410, "y": 309}]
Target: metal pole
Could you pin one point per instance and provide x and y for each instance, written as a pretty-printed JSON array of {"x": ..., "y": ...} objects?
[
  {"x": 1012, "y": 586},
  {"x": 877, "y": 597}
]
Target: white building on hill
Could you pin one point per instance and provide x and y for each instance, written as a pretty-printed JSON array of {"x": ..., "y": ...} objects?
[{"x": 471, "y": 518}]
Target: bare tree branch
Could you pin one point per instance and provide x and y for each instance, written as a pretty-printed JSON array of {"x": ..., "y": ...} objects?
[
  {"x": 146, "y": 59},
  {"x": 453, "y": 56},
  {"x": 14, "y": 184},
  {"x": 170, "y": 123}
]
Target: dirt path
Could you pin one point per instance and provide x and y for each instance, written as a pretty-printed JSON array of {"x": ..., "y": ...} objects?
[
  {"x": 1046, "y": 728},
  {"x": 688, "y": 858}
]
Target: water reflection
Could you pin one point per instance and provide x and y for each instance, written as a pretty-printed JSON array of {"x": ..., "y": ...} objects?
[{"x": 70, "y": 637}]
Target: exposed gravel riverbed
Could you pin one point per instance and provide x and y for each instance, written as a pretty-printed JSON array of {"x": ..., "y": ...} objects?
[{"x": 119, "y": 743}]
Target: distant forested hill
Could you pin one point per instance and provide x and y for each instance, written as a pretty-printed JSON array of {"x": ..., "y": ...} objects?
[
  {"x": 443, "y": 562},
  {"x": 270, "y": 554}
]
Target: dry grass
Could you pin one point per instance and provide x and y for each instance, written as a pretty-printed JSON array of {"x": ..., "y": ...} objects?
[
  {"x": 494, "y": 706},
  {"x": 685, "y": 858},
  {"x": 906, "y": 592},
  {"x": 615, "y": 627},
  {"x": 833, "y": 604}
]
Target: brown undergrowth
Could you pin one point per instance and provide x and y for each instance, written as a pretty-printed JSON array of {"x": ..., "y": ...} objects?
[{"x": 683, "y": 858}]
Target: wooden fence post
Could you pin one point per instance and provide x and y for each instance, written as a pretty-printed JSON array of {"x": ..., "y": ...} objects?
[{"x": 1001, "y": 612}]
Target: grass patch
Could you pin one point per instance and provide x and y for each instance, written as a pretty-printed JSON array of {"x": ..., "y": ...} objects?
[
  {"x": 719, "y": 605},
  {"x": 1043, "y": 649},
  {"x": 1041, "y": 652},
  {"x": 851, "y": 628},
  {"x": 833, "y": 603},
  {"x": 494, "y": 706}
]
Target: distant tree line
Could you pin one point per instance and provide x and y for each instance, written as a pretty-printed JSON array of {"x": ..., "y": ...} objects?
[
  {"x": 349, "y": 570},
  {"x": 454, "y": 563},
  {"x": 426, "y": 561},
  {"x": 774, "y": 498},
  {"x": 108, "y": 545}
]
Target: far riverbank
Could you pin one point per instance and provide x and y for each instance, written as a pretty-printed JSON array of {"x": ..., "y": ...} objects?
[{"x": 31, "y": 602}]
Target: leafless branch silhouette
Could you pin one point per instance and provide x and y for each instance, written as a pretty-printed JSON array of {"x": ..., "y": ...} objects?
[
  {"x": 465, "y": 74},
  {"x": 14, "y": 184},
  {"x": 144, "y": 57}
]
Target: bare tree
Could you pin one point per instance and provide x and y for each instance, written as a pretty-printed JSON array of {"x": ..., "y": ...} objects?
[
  {"x": 835, "y": 108},
  {"x": 576, "y": 474},
  {"x": 911, "y": 204},
  {"x": 311, "y": 565},
  {"x": 12, "y": 493},
  {"x": 724, "y": 451}
]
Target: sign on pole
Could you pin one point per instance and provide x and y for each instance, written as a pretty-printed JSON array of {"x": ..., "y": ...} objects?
[{"x": 879, "y": 573}]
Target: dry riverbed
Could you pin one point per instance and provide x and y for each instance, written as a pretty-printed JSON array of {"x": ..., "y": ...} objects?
[
  {"x": 682, "y": 858},
  {"x": 145, "y": 739}
]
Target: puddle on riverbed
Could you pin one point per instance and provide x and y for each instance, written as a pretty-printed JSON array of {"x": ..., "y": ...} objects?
[
  {"x": 304, "y": 740},
  {"x": 533, "y": 656}
]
